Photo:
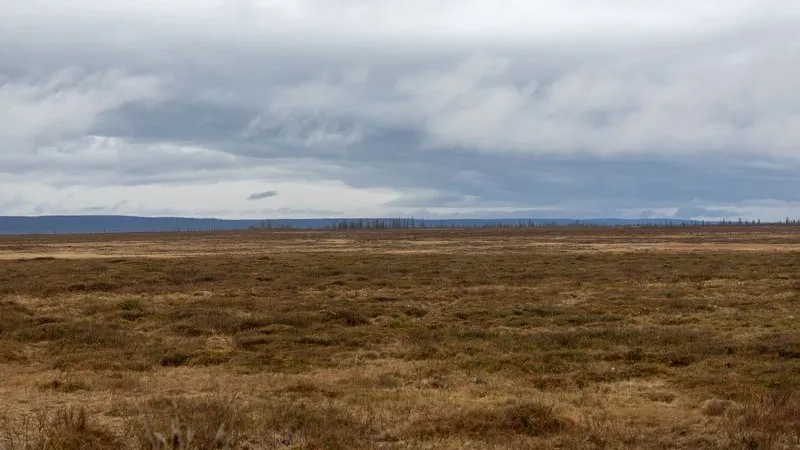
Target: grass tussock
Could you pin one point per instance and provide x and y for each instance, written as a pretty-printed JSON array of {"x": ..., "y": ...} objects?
[
  {"x": 526, "y": 418},
  {"x": 319, "y": 425},
  {"x": 769, "y": 421},
  {"x": 187, "y": 424},
  {"x": 66, "y": 429}
]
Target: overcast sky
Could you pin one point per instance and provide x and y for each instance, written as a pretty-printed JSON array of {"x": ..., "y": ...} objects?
[{"x": 307, "y": 108}]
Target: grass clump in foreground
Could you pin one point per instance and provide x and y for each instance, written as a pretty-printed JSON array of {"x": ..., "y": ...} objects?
[
  {"x": 66, "y": 429},
  {"x": 766, "y": 421},
  {"x": 184, "y": 424},
  {"x": 528, "y": 418},
  {"x": 482, "y": 339}
]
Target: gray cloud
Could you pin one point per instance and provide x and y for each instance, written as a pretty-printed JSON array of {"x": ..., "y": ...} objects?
[
  {"x": 610, "y": 109},
  {"x": 262, "y": 195}
]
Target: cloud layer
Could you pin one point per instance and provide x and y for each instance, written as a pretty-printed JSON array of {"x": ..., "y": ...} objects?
[{"x": 345, "y": 107}]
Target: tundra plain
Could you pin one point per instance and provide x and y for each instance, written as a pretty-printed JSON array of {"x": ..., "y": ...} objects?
[{"x": 572, "y": 338}]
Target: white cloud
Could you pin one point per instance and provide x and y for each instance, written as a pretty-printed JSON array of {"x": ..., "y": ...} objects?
[
  {"x": 219, "y": 199},
  {"x": 421, "y": 22},
  {"x": 66, "y": 104},
  {"x": 700, "y": 104}
]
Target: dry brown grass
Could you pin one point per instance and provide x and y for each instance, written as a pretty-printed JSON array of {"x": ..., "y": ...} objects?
[
  {"x": 65, "y": 429},
  {"x": 483, "y": 339}
]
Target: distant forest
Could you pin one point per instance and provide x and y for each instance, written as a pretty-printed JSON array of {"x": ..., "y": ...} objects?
[
  {"x": 399, "y": 223},
  {"x": 126, "y": 224}
]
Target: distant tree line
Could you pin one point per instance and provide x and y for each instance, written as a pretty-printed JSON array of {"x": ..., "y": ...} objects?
[
  {"x": 395, "y": 223},
  {"x": 412, "y": 223}
]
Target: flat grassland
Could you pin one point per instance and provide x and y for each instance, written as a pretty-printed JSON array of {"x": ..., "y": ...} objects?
[{"x": 574, "y": 338}]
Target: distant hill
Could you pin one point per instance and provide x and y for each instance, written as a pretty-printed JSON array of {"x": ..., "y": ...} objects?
[{"x": 125, "y": 224}]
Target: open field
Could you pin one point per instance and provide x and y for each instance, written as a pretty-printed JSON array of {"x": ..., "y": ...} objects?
[{"x": 674, "y": 338}]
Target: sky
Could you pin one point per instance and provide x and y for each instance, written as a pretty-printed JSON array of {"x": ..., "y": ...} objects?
[{"x": 431, "y": 108}]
